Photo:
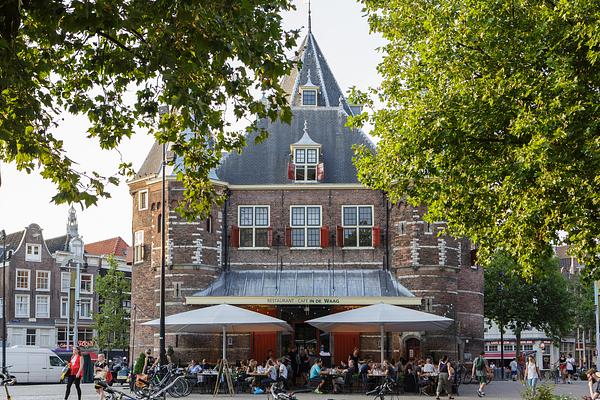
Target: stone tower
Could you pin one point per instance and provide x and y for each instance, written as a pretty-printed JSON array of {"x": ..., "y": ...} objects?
[{"x": 438, "y": 268}]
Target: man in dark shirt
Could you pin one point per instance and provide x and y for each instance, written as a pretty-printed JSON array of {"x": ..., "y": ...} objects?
[{"x": 354, "y": 356}]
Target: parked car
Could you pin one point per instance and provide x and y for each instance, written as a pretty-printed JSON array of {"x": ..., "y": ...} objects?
[{"x": 32, "y": 364}]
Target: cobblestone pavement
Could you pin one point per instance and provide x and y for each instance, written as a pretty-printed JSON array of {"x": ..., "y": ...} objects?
[{"x": 496, "y": 390}]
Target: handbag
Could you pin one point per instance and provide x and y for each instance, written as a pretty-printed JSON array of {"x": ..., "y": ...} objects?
[
  {"x": 108, "y": 377},
  {"x": 65, "y": 372}
]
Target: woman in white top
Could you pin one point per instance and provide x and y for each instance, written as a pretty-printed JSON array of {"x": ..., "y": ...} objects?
[{"x": 532, "y": 373}]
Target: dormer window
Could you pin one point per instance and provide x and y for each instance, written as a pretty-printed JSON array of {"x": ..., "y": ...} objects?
[
  {"x": 309, "y": 92},
  {"x": 306, "y": 163},
  {"x": 309, "y": 97}
]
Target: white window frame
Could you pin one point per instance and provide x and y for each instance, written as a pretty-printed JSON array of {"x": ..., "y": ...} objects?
[
  {"x": 140, "y": 193},
  {"x": 64, "y": 300},
  {"x": 28, "y": 335},
  {"x": 17, "y": 279},
  {"x": 91, "y": 284},
  {"x": 428, "y": 228},
  {"x": 358, "y": 226},
  {"x": 306, "y": 227},
  {"x": 62, "y": 275},
  {"x": 47, "y": 314},
  {"x": 305, "y": 165},
  {"x": 49, "y": 280},
  {"x": 32, "y": 256},
  {"x": 138, "y": 237},
  {"x": 22, "y": 315},
  {"x": 254, "y": 227},
  {"x": 310, "y": 89},
  {"x": 81, "y": 301}
]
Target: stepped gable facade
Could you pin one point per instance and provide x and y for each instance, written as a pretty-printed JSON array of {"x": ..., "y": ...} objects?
[{"x": 300, "y": 237}]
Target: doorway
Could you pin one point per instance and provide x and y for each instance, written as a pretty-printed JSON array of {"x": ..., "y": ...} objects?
[{"x": 413, "y": 348}]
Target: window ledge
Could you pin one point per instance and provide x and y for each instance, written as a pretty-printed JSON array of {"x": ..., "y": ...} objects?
[
  {"x": 22, "y": 289},
  {"x": 306, "y": 248},
  {"x": 42, "y": 290},
  {"x": 253, "y": 248},
  {"x": 359, "y": 248}
]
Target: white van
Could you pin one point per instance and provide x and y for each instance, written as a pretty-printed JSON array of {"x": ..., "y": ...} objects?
[{"x": 32, "y": 364}]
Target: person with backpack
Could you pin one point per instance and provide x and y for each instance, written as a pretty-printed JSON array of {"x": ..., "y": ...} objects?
[{"x": 480, "y": 370}]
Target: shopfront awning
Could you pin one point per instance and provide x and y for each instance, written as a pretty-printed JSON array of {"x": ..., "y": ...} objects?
[{"x": 305, "y": 287}]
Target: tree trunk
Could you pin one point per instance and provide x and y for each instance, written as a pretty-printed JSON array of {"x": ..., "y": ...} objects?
[
  {"x": 518, "y": 348},
  {"x": 502, "y": 350}
]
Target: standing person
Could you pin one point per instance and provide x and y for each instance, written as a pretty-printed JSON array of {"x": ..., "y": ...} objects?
[
  {"x": 75, "y": 373},
  {"x": 513, "y": 369},
  {"x": 570, "y": 368},
  {"x": 532, "y": 373},
  {"x": 354, "y": 356},
  {"x": 100, "y": 371},
  {"x": 480, "y": 368},
  {"x": 149, "y": 362},
  {"x": 562, "y": 367},
  {"x": 443, "y": 379},
  {"x": 293, "y": 356}
]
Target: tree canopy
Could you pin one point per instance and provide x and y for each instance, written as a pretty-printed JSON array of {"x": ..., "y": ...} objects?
[
  {"x": 515, "y": 302},
  {"x": 112, "y": 320},
  {"x": 117, "y": 61},
  {"x": 490, "y": 117}
]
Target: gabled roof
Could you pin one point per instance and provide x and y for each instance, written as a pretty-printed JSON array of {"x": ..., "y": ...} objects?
[
  {"x": 12, "y": 242},
  {"x": 349, "y": 283},
  {"x": 115, "y": 246},
  {"x": 59, "y": 243}
]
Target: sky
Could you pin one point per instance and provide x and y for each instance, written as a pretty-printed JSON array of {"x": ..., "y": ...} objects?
[{"x": 342, "y": 32}]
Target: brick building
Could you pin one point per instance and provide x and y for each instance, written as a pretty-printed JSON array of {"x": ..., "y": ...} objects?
[
  {"x": 38, "y": 280},
  {"x": 300, "y": 237}
]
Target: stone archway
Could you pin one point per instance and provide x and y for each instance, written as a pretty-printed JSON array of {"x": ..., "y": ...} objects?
[{"x": 412, "y": 347}]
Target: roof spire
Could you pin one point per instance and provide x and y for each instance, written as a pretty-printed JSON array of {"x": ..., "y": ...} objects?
[{"x": 309, "y": 18}]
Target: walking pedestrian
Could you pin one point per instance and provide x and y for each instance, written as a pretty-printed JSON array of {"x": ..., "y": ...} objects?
[
  {"x": 562, "y": 366},
  {"x": 570, "y": 368},
  {"x": 532, "y": 373},
  {"x": 444, "y": 379},
  {"x": 480, "y": 370},
  {"x": 514, "y": 368},
  {"x": 75, "y": 373}
]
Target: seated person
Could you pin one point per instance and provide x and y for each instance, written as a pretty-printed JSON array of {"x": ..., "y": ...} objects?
[
  {"x": 593, "y": 377},
  {"x": 283, "y": 371},
  {"x": 315, "y": 375},
  {"x": 428, "y": 367},
  {"x": 193, "y": 368},
  {"x": 272, "y": 374}
]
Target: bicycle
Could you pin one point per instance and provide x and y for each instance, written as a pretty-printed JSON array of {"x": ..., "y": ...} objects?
[
  {"x": 6, "y": 380},
  {"x": 163, "y": 377},
  {"x": 386, "y": 388}
]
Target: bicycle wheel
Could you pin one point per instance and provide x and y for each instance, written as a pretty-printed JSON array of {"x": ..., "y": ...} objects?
[
  {"x": 179, "y": 387},
  {"x": 467, "y": 378}
]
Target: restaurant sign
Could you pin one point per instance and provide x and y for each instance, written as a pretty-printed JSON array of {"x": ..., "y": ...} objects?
[{"x": 303, "y": 300}]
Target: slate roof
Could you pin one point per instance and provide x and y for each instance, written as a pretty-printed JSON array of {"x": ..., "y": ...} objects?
[
  {"x": 115, "y": 246},
  {"x": 59, "y": 243},
  {"x": 325, "y": 125},
  {"x": 348, "y": 283},
  {"x": 12, "y": 242}
]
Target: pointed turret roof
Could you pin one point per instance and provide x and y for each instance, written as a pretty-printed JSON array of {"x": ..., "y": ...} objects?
[
  {"x": 306, "y": 140},
  {"x": 313, "y": 69}
]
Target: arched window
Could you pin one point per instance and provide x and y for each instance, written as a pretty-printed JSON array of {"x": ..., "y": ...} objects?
[{"x": 158, "y": 223}]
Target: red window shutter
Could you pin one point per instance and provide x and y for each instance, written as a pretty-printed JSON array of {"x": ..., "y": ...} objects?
[
  {"x": 376, "y": 236},
  {"x": 235, "y": 236},
  {"x": 291, "y": 171},
  {"x": 320, "y": 172},
  {"x": 288, "y": 236},
  {"x": 325, "y": 236},
  {"x": 339, "y": 236},
  {"x": 270, "y": 238}
]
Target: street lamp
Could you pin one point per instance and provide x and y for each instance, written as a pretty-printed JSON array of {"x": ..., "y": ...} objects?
[
  {"x": 162, "y": 110},
  {"x": 3, "y": 235},
  {"x": 76, "y": 249}
]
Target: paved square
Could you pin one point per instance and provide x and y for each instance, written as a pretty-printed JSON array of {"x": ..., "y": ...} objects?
[{"x": 496, "y": 390}]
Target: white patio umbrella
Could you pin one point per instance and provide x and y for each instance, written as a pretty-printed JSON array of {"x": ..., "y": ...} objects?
[
  {"x": 221, "y": 318},
  {"x": 381, "y": 318}
]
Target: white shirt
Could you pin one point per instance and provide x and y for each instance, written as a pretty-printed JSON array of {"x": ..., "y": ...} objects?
[
  {"x": 571, "y": 363},
  {"x": 513, "y": 365},
  {"x": 428, "y": 368},
  {"x": 283, "y": 371},
  {"x": 273, "y": 373},
  {"x": 531, "y": 371}
]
